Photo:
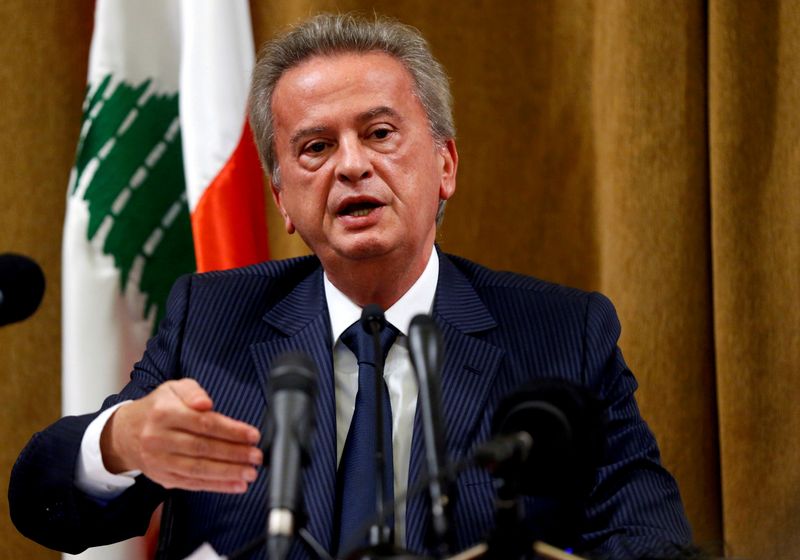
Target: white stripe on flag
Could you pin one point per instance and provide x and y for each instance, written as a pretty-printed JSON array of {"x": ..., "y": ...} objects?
[{"x": 215, "y": 73}]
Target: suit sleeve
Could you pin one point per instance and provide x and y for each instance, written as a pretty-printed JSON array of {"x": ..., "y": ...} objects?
[
  {"x": 46, "y": 506},
  {"x": 635, "y": 509}
]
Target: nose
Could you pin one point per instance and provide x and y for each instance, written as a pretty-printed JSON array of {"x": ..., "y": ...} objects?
[{"x": 353, "y": 161}]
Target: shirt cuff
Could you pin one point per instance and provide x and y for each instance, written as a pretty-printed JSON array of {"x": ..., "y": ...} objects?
[{"x": 91, "y": 476}]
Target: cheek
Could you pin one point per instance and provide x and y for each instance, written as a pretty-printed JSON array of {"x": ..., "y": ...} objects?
[
  {"x": 308, "y": 203},
  {"x": 409, "y": 174},
  {"x": 424, "y": 181}
]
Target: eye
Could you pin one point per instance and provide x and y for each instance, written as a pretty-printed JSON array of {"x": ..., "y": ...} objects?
[
  {"x": 315, "y": 147},
  {"x": 381, "y": 133}
]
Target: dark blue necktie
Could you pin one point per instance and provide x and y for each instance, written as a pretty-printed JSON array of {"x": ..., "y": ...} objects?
[{"x": 356, "y": 479}]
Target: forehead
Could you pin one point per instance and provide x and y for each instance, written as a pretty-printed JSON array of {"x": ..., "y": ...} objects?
[{"x": 328, "y": 86}]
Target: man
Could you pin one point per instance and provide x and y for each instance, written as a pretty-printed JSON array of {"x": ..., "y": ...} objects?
[{"x": 354, "y": 126}]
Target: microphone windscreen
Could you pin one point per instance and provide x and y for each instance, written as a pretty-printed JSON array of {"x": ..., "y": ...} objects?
[
  {"x": 566, "y": 423},
  {"x": 292, "y": 390},
  {"x": 425, "y": 346},
  {"x": 21, "y": 288},
  {"x": 372, "y": 314},
  {"x": 293, "y": 371}
]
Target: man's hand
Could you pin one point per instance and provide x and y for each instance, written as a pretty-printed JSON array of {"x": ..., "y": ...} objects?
[{"x": 174, "y": 438}]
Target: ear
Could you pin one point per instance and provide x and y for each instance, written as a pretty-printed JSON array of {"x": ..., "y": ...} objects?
[
  {"x": 449, "y": 157},
  {"x": 276, "y": 196}
]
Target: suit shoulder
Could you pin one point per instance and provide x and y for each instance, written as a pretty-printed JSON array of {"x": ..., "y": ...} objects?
[
  {"x": 486, "y": 279},
  {"x": 278, "y": 269},
  {"x": 268, "y": 280}
]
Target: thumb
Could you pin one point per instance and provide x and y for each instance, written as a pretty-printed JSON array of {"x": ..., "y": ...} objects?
[{"x": 191, "y": 394}]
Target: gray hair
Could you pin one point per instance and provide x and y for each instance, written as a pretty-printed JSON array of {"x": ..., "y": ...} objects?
[{"x": 328, "y": 34}]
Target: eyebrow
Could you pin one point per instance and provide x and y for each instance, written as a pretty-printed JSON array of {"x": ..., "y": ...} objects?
[
  {"x": 377, "y": 112},
  {"x": 306, "y": 132},
  {"x": 362, "y": 118}
]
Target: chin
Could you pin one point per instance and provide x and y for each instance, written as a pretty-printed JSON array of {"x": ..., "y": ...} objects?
[{"x": 363, "y": 249}]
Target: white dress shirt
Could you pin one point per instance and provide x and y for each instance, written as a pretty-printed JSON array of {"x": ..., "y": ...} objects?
[
  {"x": 397, "y": 372},
  {"x": 92, "y": 477}
]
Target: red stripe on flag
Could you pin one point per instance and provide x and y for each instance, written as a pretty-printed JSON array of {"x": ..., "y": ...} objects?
[{"x": 229, "y": 224}]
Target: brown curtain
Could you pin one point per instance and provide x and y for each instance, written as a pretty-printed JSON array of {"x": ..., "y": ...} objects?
[
  {"x": 754, "y": 133},
  {"x": 646, "y": 149}
]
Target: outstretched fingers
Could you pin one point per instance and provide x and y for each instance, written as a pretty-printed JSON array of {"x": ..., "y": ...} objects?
[{"x": 175, "y": 438}]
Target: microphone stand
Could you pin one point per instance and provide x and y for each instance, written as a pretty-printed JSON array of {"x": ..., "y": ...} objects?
[
  {"x": 381, "y": 531},
  {"x": 425, "y": 349},
  {"x": 507, "y": 541}
]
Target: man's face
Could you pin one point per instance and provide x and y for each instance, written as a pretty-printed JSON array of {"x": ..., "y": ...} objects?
[{"x": 361, "y": 176}]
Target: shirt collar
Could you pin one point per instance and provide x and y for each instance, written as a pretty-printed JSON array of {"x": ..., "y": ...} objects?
[{"x": 418, "y": 299}]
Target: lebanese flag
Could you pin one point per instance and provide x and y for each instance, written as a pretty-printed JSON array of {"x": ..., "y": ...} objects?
[{"x": 166, "y": 181}]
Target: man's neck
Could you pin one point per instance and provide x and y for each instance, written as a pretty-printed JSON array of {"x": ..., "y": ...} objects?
[{"x": 383, "y": 283}]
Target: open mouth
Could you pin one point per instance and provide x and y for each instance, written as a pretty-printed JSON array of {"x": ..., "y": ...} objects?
[{"x": 359, "y": 209}]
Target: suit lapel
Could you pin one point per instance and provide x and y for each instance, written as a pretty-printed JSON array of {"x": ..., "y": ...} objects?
[
  {"x": 470, "y": 365},
  {"x": 302, "y": 324}
]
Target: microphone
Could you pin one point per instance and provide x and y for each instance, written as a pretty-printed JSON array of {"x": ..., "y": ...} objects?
[
  {"x": 21, "y": 288},
  {"x": 564, "y": 425},
  {"x": 293, "y": 380},
  {"x": 425, "y": 349},
  {"x": 548, "y": 444},
  {"x": 501, "y": 449},
  {"x": 373, "y": 321}
]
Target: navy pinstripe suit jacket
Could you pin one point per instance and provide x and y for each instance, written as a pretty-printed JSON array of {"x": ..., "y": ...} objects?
[{"x": 501, "y": 330}]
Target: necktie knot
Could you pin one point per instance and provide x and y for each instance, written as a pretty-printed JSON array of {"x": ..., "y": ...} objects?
[{"x": 361, "y": 344}]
